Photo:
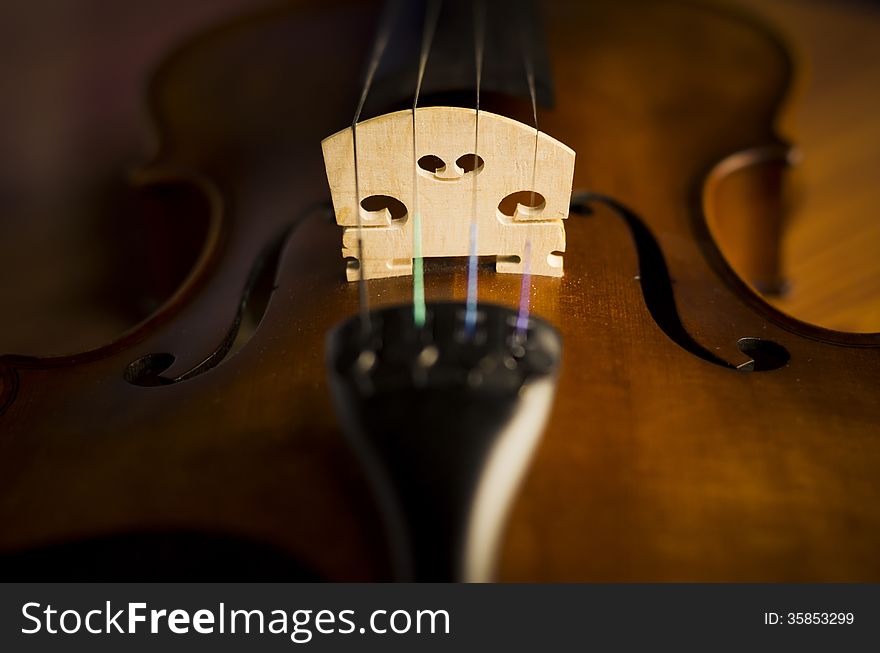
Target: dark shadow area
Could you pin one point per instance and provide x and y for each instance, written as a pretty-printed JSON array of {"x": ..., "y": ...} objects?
[
  {"x": 653, "y": 275},
  {"x": 154, "y": 557}
]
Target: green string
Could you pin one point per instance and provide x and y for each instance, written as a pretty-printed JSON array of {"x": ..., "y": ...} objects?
[{"x": 418, "y": 273}]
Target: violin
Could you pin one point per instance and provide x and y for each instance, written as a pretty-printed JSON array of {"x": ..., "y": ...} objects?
[{"x": 490, "y": 328}]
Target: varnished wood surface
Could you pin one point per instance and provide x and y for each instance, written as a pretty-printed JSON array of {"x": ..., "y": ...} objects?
[
  {"x": 831, "y": 235},
  {"x": 73, "y": 75},
  {"x": 74, "y": 83},
  {"x": 656, "y": 464}
]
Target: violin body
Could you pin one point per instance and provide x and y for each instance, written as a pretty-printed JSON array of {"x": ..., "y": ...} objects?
[{"x": 697, "y": 434}]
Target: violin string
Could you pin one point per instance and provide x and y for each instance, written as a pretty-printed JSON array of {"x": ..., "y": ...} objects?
[
  {"x": 526, "y": 288},
  {"x": 522, "y": 319},
  {"x": 379, "y": 45},
  {"x": 479, "y": 45},
  {"x": 431, "y": 16}
]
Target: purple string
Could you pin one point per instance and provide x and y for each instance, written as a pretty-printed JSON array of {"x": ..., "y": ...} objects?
[{"x": 522, "y": 320}]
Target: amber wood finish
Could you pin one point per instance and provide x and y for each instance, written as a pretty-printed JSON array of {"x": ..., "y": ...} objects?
[
  {"x": 656, "y": 465},
  {"x": 744, "y": 205},
  {"x": 830, "y": 235}
]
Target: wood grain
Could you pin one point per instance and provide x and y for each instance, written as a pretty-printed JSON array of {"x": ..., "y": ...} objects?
[
  {"x": 657, "y": 464},
  {"x": 830, "y": 237}
]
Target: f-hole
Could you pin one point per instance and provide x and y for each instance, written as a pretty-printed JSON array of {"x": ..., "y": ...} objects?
[
  {"x": 148, "y": 369},
  {"x": 656, "y": 285},
  {"x": 765, "y": 354}
]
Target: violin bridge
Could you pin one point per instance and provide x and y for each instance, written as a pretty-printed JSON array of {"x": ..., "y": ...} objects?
[{"x": 519, "y": 185}]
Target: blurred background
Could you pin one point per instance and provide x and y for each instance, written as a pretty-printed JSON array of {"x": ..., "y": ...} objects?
[{"x": 76, "y": 269}]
